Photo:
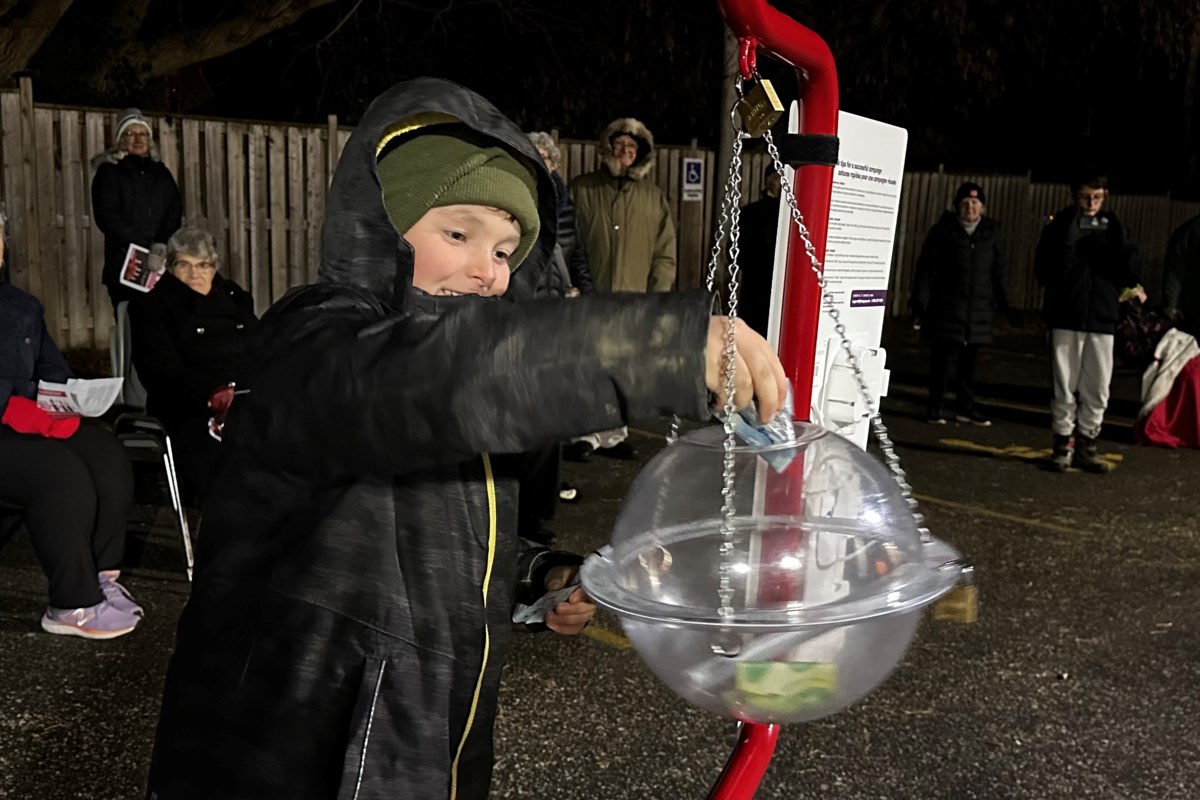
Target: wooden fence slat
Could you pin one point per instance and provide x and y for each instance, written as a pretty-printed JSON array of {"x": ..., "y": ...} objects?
[
  {"x": 235, "y": 151},
  {"x": 27, "y": 272},
  {"x": 193, "y": 183},
  {"x": 315, "y": 184},
  {"x": 297, "y": 263},
  {"x": 96, "y": 126},
  {"x": 257, "y": 204},
  {"x": 80, "y": 327},
  {"x": 215, "y": 188},
  {"x": 168, "y": 144},
  {"x": 48, "y": 287},
  {"x": 277, "y": 169}
]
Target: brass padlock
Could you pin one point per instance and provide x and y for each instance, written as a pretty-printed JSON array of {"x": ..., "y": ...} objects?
[
  {"x": 759, "y": 109},
  {"x": 960, "y": 604}
]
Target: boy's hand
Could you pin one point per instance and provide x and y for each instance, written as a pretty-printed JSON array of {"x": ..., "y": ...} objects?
[
  {"x": 758, "y": 372},
  {"x": 571, "y": 617}
]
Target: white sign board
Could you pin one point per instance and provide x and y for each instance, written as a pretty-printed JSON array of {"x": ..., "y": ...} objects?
[
  {"x": 863, "y": 212},
  {"x": 693, "y": 180}
]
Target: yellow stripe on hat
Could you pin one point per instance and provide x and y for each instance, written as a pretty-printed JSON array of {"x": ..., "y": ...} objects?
[{"x": 416, "y": 121}]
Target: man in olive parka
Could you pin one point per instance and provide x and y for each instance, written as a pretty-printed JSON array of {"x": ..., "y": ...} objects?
[{"x": 358, "y": 567}]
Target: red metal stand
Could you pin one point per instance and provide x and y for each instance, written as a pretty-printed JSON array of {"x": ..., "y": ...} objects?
[
  {"x": 758, "y": 25},
  {"x": 747, "y": 764}
]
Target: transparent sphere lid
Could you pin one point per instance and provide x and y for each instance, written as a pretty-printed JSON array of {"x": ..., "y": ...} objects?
[{"x": 820, "y": 535}]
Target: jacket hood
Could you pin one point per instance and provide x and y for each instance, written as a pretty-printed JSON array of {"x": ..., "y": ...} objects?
[
  {"x": 114, "y": 154},
  {"x": 359, "y": 246},
  {"x": 645, "y": 161}
]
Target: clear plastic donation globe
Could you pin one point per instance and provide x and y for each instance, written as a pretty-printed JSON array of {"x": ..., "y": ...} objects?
[{"x": 825, "y": 577}]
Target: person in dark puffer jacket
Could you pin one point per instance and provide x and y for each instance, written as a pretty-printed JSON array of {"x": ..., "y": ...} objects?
[
  {"x": 189, "y": 335},
  {"x": 957, "y": 288},
  {"x": 134, "y": 199}
]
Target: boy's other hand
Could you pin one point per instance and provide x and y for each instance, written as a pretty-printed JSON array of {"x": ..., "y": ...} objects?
[
  {"x": 759, "y": 372},
  {"x": 572, "y": 616}
]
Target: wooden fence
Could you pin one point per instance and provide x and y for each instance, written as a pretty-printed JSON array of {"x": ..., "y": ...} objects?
[
  {"x": 260, "y": 189},
  {"x": 1023, "y": 208}
]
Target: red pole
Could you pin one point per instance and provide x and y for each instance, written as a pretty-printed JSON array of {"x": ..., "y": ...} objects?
[
  {"x": 782, "y": 37},
  {"x": 746, "y": 766},
  {"x": 755, "y": 22}
]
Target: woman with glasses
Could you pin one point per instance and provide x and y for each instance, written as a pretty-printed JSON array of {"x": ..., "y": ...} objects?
[
  {"x": 188, "y": 337},
  {"x": 134, "y": 199}
]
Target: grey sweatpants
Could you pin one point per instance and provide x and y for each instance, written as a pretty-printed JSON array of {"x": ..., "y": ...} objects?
[{"x": 1080, "y": 362}]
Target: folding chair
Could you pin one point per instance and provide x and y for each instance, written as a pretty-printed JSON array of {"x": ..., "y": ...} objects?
[{"x": 140, "y": 431}]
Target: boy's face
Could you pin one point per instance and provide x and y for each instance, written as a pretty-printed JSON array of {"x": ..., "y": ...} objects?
[
  {"x": 1090, "y": 200},
  {"x": 463, "y": 249}
]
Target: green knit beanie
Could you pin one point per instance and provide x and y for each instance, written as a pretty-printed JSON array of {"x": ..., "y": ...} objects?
[{"x": 434, "y": 170}]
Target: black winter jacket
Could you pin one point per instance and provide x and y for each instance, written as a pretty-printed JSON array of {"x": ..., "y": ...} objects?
[
  {"x": 186, "y": 344},
  {"x": 134, "y": 201},
  {"x": 1084, "y": 273},
  {"x": 959, "y": 281},
  {"x": 27, "y": 351},
  {"x": 359, "y": 564}
]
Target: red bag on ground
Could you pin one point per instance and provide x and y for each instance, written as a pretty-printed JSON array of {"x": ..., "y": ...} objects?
[
  {"x": 25, "y": 416},
  {"x": 1175, "y": 422}
]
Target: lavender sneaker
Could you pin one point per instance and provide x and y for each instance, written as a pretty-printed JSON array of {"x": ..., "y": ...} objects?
[
  {"x": 100, "y": 621},
  {"x": 117, "y": 595}
]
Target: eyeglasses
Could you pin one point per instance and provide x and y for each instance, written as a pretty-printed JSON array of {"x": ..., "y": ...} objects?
[
  {"x": 137, "y": 135},
  {"x": 202, "y": 266},
  {"x": 618, "y": 146}
]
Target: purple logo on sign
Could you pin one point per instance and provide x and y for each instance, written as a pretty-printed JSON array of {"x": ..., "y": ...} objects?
[{"x": 868, "y": 297}]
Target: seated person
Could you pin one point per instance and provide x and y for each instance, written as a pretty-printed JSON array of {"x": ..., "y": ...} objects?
[
  {"x": 73, "y": 481},
  {"x": 357, "y": 576},
  {"x": 189, "y": 334}
]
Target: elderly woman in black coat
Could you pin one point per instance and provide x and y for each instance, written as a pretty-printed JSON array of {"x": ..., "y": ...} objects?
[
  {"x": 73, "y": 482},
  {"x": 189, "y": 334},
  {"x": 959, "y": 284}
]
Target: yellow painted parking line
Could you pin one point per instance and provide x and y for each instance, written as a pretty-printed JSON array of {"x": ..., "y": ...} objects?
[
  {"x": 607, "y": 637},
  {"x": 987, "y": 512},
  {"x": 1020, "y": 451}
]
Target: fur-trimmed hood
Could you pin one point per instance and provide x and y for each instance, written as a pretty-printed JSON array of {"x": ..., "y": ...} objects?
[
  {"x": 114, "y": 154},
  {"x": 635, "y": 128}
]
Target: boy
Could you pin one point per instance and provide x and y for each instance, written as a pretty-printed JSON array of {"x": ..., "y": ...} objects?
[
  {"x": 357, "y": 573},
  {"x": 1088, "y": 266}
]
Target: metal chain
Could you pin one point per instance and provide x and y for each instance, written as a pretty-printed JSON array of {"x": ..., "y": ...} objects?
[
  {"x": 725, "y": 584},
  {"x": 880, "y": 430},
  {"x": 732, "y": 182}
]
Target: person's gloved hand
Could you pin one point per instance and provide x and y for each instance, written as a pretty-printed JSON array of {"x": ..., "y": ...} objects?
[{"x": 25, "y": 416}]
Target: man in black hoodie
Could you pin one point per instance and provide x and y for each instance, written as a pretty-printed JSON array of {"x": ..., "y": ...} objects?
[
  {"x": 1088, "y": 267},
  {"x": 356, "y": 579}
]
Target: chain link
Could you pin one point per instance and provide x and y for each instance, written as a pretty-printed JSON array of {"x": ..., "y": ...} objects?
[{"x": 880, "y": 430}]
